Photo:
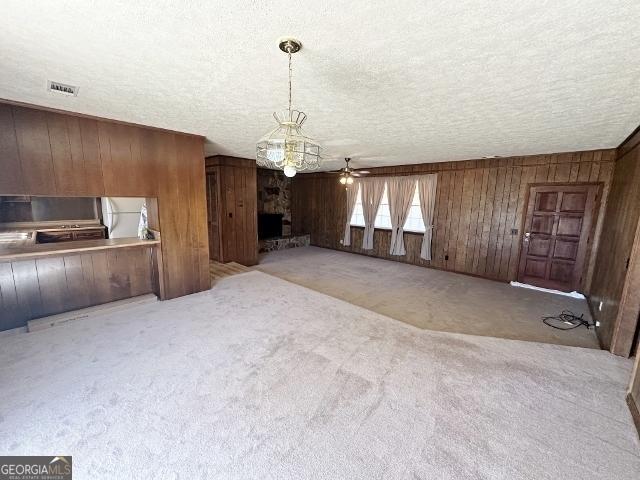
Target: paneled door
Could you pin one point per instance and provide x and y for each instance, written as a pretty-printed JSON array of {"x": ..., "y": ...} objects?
[
  {"x": 556, "y": 235},
  {"x": 213, "y": 215}
]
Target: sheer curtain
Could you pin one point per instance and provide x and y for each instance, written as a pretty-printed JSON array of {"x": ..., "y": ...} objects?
[
  {"x": 400, "y": 191},
  {"x": 352, "y": 196},
  {"x": 427, "y": 190},
  {"x": 371, "y": 190}
]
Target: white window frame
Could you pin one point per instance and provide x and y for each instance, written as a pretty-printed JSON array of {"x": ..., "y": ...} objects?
[{"x": 383, "y": 221}]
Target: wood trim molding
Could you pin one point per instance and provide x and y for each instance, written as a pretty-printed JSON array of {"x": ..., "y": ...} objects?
[
  {"x": 629, "y": 143},
  {"x": 94, "y": 117},
  {"x": 635, "y": 413}
]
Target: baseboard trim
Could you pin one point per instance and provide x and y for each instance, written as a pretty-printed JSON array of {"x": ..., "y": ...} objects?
[
  {"x": 635, "y": 413},
  {"x": 62, "y": 318},
  {"x": 13, "y": 331}
]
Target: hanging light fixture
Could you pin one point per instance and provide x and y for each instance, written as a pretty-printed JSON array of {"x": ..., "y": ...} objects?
[{"x": 286, "y": 147}]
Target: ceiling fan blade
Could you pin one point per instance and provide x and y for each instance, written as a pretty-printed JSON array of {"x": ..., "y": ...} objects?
[
  {"x": 364, "y": 172},
  {"x": 356, "y": 174}
]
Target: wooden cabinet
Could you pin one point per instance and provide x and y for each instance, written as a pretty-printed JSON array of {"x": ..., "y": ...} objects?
[
  {"x": 96, "y": 234},
  {"x": 232, "y": 209},
  {"x": 54, "y": 237},
  {"x": 68, "y": 235}
]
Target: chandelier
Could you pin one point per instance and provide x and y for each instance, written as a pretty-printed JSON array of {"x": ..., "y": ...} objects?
[{"x": 286, "y": 147}]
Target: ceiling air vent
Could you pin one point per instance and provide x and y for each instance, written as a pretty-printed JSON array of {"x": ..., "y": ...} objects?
[{"x": 63, "y": 88}]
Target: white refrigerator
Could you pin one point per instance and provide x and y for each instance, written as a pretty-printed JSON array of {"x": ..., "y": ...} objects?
[{"x": 121, "y": 215}]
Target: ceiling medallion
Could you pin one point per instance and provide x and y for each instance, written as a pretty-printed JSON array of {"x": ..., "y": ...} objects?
[{"x": 286, "y": 147}]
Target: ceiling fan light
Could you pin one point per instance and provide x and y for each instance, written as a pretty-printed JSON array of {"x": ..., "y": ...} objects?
[
  {"x": 349, "y": 180},
  {"x": 290, "y": 171},
  {"x": 343, "y": 180}
]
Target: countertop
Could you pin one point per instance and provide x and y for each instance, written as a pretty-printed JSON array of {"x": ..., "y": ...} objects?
[
  {"x": 41, "y": 250},
  {"x": 50, "y": 228}
]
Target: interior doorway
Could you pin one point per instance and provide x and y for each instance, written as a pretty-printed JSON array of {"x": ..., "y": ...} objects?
[{"x": 556, "y": 234}]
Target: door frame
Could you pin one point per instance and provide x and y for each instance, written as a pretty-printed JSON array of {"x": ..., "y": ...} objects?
[{"x": 588, "y": 253}]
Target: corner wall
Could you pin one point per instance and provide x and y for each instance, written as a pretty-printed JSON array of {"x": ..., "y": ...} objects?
[{"x": 616, "y": 280}]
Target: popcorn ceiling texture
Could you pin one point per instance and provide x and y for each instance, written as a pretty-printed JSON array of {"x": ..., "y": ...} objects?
[
  {"x": 262, "y": 379},
  {"x": 386, "y": 82}
]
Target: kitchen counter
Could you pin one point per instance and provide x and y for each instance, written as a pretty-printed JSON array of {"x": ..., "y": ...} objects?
[
  {"x": 49, "y": 228},
  {"x": 43, "y": 250}
]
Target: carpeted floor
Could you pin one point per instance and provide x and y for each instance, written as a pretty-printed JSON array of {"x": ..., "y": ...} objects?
[
  {"x": 428, "y": 298},
  {"x": 263, "y": 379}
]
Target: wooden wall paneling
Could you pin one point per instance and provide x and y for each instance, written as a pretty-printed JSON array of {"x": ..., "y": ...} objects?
[
  {"x": 464, "y": 218},
  {"x": 511, "y": 241},
  {"x": 55, "y": 153},
  {"x": 77, "y": 285},
  {"x": 11, "y": 177},
  {"x": 236, "y": 189},
  {"x": 527, "y": 177},
  {"x": 32, "y": 289},
  {"x": 626, "y": 324},
  {"x": 25, "y": 278},
  {"x": 94, "y": 183},
  {"x": 68, "y": 169},
  {"x": 53, "y": 284},
  {"x": 230, "y": 215},
  {"x": 502, "y": 221},
  {"x": 474, "y": 210},
  {"x": 478, "y": 203},
  {"x": 605, "y": 176},
  {"x": 495, "y": 222},
  {"x": 488, "y": 218},
  {"x": 482, "y": 204},
  {"x": 35, "y": 151},
  {"x": 12, "y": 311},
  {"x": 76, "y": 150},
  {"x": 196, "y": 196},
  {"x": 172, "y": 222},
  {"x": 101, "y": 286},
  {"x": 240, "y": 227},
  {"x": 615, "y": 246}
]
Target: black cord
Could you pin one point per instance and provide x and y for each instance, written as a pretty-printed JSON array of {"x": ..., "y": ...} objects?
[{"x": 567, "y": 320}]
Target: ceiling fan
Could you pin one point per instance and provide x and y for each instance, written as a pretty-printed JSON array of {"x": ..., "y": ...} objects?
[{"x": 347, "y": 174}]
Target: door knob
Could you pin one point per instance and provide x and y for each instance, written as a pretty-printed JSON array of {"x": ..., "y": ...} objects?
[{"x": 527, "y": 236}]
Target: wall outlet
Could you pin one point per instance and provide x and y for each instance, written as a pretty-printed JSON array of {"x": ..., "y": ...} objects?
[
  {"x": 600, "y": 307},
  {"x": 446, "y": 257}
]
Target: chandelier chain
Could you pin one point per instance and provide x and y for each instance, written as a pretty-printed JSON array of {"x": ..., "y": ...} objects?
[{"x": 290, "y": 73}]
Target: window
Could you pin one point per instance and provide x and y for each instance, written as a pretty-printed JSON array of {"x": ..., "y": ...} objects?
[{"x": 414, "y": 221}]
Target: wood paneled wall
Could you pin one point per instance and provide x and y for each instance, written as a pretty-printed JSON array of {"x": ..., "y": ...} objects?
[
  {"x": 237, "y": 218},
  {"x": 51, "y": 153},
  {"x": 478, "y": 204},
  {"x": 46, "y": 286},
  {"x": 616, "y": 281}
]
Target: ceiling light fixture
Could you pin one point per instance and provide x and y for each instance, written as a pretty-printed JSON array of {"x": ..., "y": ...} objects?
[
  {"x": 286, "y": 147},
  {"x": 347, "y": 174}
]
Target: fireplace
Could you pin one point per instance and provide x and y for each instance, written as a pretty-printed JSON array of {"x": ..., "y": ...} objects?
[{"x": 269, "y": 225}]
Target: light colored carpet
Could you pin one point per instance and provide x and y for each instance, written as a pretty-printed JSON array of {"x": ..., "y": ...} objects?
[
  {"x": 262, "y": 379},
  {"x": 429, "y": 298}
]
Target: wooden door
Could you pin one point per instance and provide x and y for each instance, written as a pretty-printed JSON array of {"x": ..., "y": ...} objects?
[
  {"x": 213, "y": 215},
  {"x": 556, "y": 234}
]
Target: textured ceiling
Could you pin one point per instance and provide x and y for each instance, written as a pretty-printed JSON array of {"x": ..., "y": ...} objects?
[{"x": 386, "y": 82}]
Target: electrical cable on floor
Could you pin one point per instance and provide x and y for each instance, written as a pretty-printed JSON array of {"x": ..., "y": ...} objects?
[{"x": 567, "y": 320}]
